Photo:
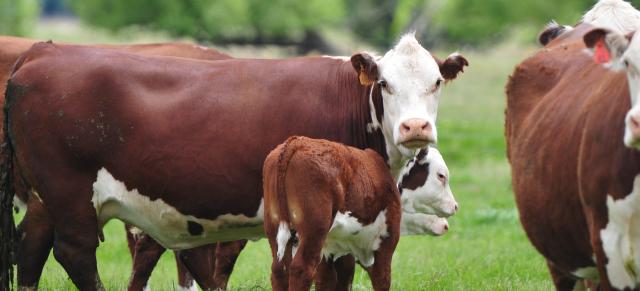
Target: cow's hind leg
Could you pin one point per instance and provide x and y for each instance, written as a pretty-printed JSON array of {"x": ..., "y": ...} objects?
[
  {"x": 185, "y": 280},
  {"x": 345, "y": 268},
  {"x": 380, "y": 271},
  {"x": 335, "y": 275},
  {"x": 561, "y": 280},
  {"x": 35, "y": 244},
  {"x": 199, "y": 263},
  {"x": 146, "y": 254},
  {"x": 226, "y": 255}
]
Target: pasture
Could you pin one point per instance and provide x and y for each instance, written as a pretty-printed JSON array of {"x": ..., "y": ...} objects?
[{"x": 485, "y": 249}]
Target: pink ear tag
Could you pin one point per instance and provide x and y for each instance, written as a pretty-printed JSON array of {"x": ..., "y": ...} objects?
[{"x": 601, "y": 54}]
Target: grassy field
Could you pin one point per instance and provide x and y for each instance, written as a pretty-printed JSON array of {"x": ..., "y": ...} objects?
[{"x": 485, "y": 249}]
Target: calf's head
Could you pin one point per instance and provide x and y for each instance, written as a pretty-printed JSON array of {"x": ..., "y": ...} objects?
[
  {"x": 406, "y": 85},
  {"x": 621, "y": 52},
  {"x": 424, "y": 185}
]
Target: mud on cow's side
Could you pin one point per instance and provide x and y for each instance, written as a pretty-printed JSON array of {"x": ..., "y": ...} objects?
[{"x": 128, "y": 136}]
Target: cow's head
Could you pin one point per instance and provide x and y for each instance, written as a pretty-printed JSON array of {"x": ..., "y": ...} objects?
[
  {"x": 424, "y": 185},
  {"x": 406, "y": 85},
  {"x": 420, "y": 224},
  {"x": 621, "y": 52}
]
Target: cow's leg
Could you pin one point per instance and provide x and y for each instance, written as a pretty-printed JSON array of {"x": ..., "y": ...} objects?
[
  {"x": 279, "y": 267},
  {"x": 380, "y": 271},
  {"x": 226, "y": 255},
  {"x": 326, "y": 277},
  {"x": 146, "y": 254},
  {"x": 345, "y": 267},
  {"x": 131, "y": 239},
  {"x": 185, "y": 280},
  {"x": 76, "y": 240},
  {"x": 560, "y": 279},
  {"x": 35, "y": 243},
  {"x": 199, "y": 263}
]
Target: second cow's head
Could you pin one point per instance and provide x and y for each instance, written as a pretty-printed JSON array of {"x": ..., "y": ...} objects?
[{"x": 406, "y": 85}]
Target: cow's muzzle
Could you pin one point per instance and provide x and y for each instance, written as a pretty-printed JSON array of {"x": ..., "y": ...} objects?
[{"x": 416, "y": 133}]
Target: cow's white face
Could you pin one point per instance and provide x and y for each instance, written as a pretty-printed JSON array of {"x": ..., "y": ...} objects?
[
  {"x": 407, "y": 83},
  {"x": 424, "y": 185},
  {"x": 620, "y": 52}
]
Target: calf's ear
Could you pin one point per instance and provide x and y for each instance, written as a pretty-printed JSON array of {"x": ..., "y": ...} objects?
[
  {"x": 366, "y": 67},
  {"x": 452, "y": 66},
  {"x": 607, "y": 46}
]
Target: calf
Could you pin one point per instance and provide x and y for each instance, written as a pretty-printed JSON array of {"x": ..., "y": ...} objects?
[{"x": 326, "y": 200}]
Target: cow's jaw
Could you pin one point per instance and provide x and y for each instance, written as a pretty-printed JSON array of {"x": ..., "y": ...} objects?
[{"x": 411, "y": 75}]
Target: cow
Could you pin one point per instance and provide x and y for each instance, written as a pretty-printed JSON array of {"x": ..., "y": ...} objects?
[
  {"x": 324, "y": 200},
  {"x": 176, "y": 146},
  {"x": 572, "y": 175},
  {"x": 36, "y": 228}
]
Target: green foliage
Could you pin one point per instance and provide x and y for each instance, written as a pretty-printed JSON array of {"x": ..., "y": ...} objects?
[
  {"x": 214, "y": 20},
  {"x": 482, "y": 21},
  {"x": 17, "y": 16}
]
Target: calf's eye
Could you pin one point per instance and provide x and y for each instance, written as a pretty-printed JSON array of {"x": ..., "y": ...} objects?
[{"x": 442, "y": 178}]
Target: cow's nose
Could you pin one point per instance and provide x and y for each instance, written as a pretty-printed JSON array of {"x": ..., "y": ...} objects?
[
  {"x": 416, "y": 133},
  {"x": 446, "y": 227}
]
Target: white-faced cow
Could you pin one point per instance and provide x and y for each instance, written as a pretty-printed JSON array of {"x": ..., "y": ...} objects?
[
  {"x": 176, "y": 146},
  {"x": 574, "y": 179}
]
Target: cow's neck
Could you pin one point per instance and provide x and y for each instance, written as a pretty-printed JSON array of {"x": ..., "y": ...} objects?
[{"x": 364, "y": 131}]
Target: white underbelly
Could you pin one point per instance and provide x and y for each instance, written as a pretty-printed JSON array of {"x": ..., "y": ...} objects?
[{"x": 163, "y": 222}]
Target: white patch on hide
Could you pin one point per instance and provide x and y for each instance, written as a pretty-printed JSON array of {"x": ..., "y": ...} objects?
[
  {"x": 165, "y": 223},
  {"x": 191, "y": 287},
  {"x": 282, "y": 238},
  {"x": 621, "y": 239},
  {"x": 348, "y": 236}
]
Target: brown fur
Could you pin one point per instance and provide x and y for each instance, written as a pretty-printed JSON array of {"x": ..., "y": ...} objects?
[
  {"x": 564, "y": 127},
  {"x": 306, "y": 182}
]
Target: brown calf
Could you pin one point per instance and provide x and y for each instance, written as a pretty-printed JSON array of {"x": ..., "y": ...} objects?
[{"x": 324, "y": 199}]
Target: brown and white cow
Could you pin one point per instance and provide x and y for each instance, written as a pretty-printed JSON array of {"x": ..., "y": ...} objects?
[
  {"x": 573, "y": 177},
  {"x": 324, "y": 200},
  {"x": 176, "y": 146},
  {"x": 36, "y": 228}
]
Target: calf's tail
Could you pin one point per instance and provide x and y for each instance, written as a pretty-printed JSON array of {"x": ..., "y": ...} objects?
[{"x": 7, "y": 225}]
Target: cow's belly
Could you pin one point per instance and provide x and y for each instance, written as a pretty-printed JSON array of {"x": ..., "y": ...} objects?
[
  {"x": 163, "y": 222},
  {"x": 348, "y": 236}
]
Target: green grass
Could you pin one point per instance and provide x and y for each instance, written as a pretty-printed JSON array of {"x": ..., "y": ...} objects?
[{"x": 485, "y": 249}]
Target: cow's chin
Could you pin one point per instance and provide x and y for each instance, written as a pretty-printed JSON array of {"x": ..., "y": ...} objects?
[{"x": 409, "y": 149}]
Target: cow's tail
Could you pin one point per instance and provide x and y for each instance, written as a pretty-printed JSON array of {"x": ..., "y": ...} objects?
[
  {"x": 7, "y": 225},
  {"x": 286, "y": 231}
]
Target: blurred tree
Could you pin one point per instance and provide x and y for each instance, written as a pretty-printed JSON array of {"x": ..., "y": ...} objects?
[
  {"x": 17, "y": 16},
  {"x": 285, "y": 22}
]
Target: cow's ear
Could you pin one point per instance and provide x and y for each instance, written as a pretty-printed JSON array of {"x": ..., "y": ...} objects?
[
  {"x": 452, "y": 66},
  {"x": 366, "y": 67},
  {"x": 607, "y": 46},
  {"x": 551, "y": 32}
]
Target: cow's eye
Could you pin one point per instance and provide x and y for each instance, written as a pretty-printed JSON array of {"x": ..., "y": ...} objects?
[
  {"x": 383, "y": 84},
  {"x": 442, "y": 178},
  {"x": 438, "y": 82},
  {"x": 626, "y": 63}
]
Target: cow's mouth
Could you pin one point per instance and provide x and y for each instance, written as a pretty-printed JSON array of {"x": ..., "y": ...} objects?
[{"x": 416, "y": 143}]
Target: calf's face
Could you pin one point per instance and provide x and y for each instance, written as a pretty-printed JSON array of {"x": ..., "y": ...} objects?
[
  {"x": 424, "y": 185},
  {"x": 406, "y": 86},
  {"x": 621, "y": 52}
]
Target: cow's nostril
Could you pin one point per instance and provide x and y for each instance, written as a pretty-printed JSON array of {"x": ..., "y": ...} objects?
[
  {"x": 455, "y": 207},
  {"x": 446, "y": 227}
]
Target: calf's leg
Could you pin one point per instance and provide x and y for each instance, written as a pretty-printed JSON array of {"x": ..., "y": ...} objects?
[
  {"x": 35, "y": 244},
  {"x": 225, "y": 259},
  {"x": 199, "y": 263},
  {"x": 560, "y": 279},
  {"x": 146, "y": 254}
]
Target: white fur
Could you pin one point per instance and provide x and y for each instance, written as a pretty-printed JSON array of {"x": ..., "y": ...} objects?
[
  {"x": 621, "y": 239},
  {"x": 165, "y": 223},
  {"x": 282, "y": 238},
  {"x": 433, "y": 197},
  {"x": 148, "y": 287},
  {"x": 617, "y": 15},
  {"x": 191, "y": 287},
  {"x": 421, "y": 224},
  {"x": 349, "y": 236},
  {"x": 590, "y": 273},
  {"x": 411, "y": 73}
]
